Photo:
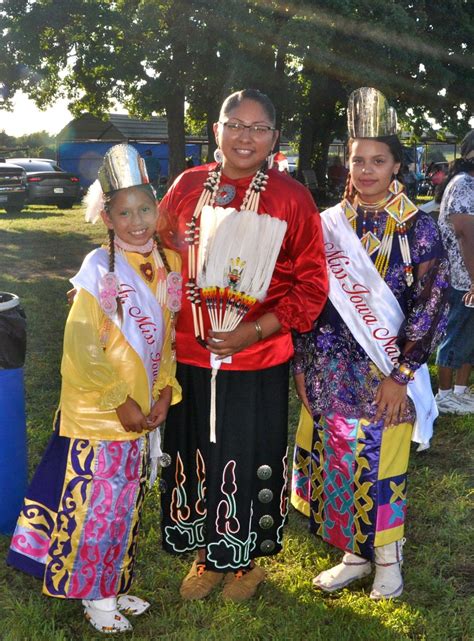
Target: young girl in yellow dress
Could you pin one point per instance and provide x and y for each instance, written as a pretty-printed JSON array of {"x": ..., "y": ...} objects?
[{"x": 78, "y": 527}]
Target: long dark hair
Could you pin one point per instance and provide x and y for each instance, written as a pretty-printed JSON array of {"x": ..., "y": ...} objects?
[{"x": 456, "y": 167}]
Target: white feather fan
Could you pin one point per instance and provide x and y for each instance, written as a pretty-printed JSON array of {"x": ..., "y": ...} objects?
[{"x": 237, "y": 255}]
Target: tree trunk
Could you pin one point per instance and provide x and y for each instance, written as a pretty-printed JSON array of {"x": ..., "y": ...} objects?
[
  {"x": 214, "y": 106},
  {"x": 211, "y": 146},
  {"x": 318, "y": 126},
  {"x": 280, "y": 81},
  {"x": 176, "y": 137},
  {"x": 305, "y": 150},
  {"x": 323, "y": 136}
]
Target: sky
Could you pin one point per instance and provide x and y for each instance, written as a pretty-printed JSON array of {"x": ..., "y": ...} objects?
[{"x": 26, "y": 118}]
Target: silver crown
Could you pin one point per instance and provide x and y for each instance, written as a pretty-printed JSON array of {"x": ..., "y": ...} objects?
[
  {"x": 369, "y": 114},
  {"x": 122, "y": 167}
]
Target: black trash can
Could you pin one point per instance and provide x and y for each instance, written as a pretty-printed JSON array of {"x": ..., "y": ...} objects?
[{"x": 13, "y": 463}]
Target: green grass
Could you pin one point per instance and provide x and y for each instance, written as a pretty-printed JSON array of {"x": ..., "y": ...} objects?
[{"x": 39, "y": 250}]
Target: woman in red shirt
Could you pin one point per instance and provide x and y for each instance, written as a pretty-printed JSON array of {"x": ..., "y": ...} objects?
[{"x": 227, "y": 500}]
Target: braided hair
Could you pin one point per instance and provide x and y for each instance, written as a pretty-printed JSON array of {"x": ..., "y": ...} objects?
[
  {"x": 348, "y": 189},
  {"x": 161, "y": 251},
  {"x": 111, "y": 251}
]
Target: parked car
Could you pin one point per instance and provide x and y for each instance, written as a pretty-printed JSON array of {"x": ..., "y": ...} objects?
[
  {"x": 48, "y": 184},
  {"x": 12, "y": 187}
]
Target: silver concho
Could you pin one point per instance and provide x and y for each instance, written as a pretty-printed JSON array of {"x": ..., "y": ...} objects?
[
  {"x": 264, "y": 472},
  {"x": 267, "y": 546},
  {"x": 265, "y": 496},
  {"x": 225, "y": 194},
  {"x": 266, "y": 521},
  {"x": 164, "y": 460}
]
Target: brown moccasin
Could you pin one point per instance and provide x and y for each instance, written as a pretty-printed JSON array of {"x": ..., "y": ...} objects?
[
  {"x": 242, "y": 585},
  {"x": 199, "y": 582}
]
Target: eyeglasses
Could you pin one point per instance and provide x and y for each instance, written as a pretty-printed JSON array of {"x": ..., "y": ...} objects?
[{"x": 257, "y": 131}]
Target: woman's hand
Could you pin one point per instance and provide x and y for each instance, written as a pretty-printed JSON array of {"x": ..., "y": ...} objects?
[
  {"x": 225, "y": 344},
  {"x": 131, "y": 416},
  {"x": 301, "y": 390},
  {"x": 391, "y": 400},
  {"x": 159, "y": 411}
]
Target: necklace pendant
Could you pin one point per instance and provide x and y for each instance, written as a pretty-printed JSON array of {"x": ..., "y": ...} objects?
[
  {"x": 370, "y": 242},
  {"x": 401, "y": 208},
  {"x": 147, "y": 271},
  {"x": 349, "y": 211},
  {"x": 225, "y": 194}
]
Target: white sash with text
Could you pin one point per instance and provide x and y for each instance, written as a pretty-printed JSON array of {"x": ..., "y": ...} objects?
[
  {"x": 142, "y": 323},
  {"x": 371, "y": 312}
]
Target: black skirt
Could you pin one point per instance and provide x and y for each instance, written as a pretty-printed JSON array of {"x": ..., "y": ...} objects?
[{"x": 229, "y": 497}]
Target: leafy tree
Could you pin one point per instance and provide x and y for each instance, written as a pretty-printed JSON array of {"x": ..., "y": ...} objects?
[
  {"x": 96, "y": 53},
  {"x": 405, "y": 49},
  {"x": 153, "y": 55},
  {"x": 39, "y": 144},
  {"x": 6, "y": 142}
]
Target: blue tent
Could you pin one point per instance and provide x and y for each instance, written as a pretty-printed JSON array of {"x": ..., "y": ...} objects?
[{"x": 81, "y": 145}]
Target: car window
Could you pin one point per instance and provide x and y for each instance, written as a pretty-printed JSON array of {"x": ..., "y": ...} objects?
[{"x": 33, "y": 166}]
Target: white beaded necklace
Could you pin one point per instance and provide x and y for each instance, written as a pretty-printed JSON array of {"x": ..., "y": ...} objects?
[{"x": 208, "y": 196}]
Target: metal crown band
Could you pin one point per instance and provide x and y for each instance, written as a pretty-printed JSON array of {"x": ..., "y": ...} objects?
[
  {"x": 369, "y": 114},
  {"x": 122, "y": 167}
]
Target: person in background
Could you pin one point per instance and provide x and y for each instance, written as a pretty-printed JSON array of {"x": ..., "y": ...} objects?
[
  {"x": 281, "y": 161},
  {"x": 455, "y": 355},
  {"x": 337, "y": 175},
  {"x": 409, "y": 180},
  {"x": 79, "y": 525}
]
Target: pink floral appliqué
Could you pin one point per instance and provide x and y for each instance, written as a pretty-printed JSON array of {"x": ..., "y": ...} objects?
[
  {"x": 108, "y": 292},
  {"x": 174, "y": 286}
]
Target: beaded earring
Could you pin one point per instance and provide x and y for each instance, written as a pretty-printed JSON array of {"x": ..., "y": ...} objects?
[
  {"x": 218, "y": 156},
  {"x": 396, "y": 186}
]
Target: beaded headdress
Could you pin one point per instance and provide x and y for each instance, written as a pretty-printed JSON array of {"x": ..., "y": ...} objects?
[
  {"x": 121, "y": 168},
  {"x": 369, "y": 115}
]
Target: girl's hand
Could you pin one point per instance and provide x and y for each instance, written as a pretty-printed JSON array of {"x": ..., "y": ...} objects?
[
  {"x": 131, "y": 416},
  {"x": 391, "y": 400},
  {"x": 468, "y": 298},
  {"x": 159, "y": 411},
  {"x": 225, "y": 344},
  {"x": 71, "y": 295},
  {"x": 301, "y": 390}
]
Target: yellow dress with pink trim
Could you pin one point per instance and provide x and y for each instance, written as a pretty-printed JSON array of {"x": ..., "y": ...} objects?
[{"x": 78, "y": 527}]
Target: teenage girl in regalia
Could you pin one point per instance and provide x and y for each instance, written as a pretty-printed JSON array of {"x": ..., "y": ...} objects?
[
  {"x": 78, "y": 527},
  {"x": 361, "y": 371}
]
